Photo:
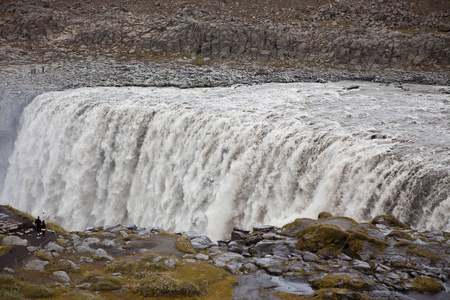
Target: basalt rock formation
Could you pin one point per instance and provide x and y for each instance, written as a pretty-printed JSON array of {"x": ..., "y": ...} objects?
[{"x": 353, "y": 35}]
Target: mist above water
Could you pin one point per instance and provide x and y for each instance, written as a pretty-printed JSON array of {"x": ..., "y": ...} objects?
[{"x": 209, "y": 159}]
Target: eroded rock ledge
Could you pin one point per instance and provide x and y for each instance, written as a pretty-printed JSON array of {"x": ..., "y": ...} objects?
[{"x": 327, "y": 258}]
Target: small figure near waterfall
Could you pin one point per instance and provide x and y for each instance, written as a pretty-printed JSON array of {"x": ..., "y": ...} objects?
[
  {"x": 43, "y": 227},
  {"x": 37, "y": 223}
]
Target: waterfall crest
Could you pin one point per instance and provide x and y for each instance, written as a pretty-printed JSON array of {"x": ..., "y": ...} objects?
[{"x": 207, "y": 161}]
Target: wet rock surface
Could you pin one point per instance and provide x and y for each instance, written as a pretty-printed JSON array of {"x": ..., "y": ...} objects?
[{"x": 363, "y": 259}]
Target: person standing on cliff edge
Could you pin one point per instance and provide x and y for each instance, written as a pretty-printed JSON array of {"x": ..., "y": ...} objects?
[
  {"x": 43, "y": 228},
  {"x": 37, "y": 223}
]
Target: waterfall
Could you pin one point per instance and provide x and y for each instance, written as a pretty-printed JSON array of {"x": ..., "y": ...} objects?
[{"x": 208, "y": 160}]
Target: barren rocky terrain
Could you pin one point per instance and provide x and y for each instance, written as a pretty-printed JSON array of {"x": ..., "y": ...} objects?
[
  {"x": 327, "y": 258},
  {"x": 345, "y": 35}
]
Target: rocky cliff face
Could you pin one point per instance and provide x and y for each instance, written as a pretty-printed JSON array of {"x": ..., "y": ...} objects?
[{"x": 354, "y": 35}]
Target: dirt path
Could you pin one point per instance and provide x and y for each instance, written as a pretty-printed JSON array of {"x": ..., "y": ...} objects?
[{"x": 18, "y": 254}]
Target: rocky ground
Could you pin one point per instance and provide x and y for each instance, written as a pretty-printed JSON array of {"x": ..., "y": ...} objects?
[
  {"x": 327, "y": 258},
  {"x": 54, "y": 45},
  {"x": 346, "y": 35}
]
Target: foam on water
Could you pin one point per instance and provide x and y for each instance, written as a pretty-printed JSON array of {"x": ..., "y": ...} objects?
[{"x": 210, "y": 159}]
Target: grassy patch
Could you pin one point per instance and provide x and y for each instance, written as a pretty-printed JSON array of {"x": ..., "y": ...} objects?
[
  {"x": 16, "y": 211},
  {"x": 324, "y": 215},
  {"x": 150, "y": 256},
  {"x": 215, "y": 282},
  {"x": 37, "y": 291},
  {"x": 341, "y": 281},
  {"x": 165, "y": 233},
  {"x": 424, "y": 253},
  {"x": 391, "y": 221},
  {"x": 124, "y": 266},
  {"x": 42, "y": 254},
  {"x": 335, "y": 294},
  {"x": 9, "y": 287},
  {"x": 287, "y": 296},
  {"x": 400, "y": 235},
  {"x": 4, "y": 250},
  {"x": 184, "y": 245},
  {"x": 402, "y": 244},
  {"x": 62, "y": 242},
  {"x": 56, "y": 227},
  {"x": 109, "y": 283},
  {"x": 161, "y": 284}
]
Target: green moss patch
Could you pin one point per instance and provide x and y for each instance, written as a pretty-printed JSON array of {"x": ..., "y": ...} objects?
[
  {"x": 288, "y": 296},
  {"x": 109, "y": 283},
  {"x": 215, "y": 282},
  {"x": 42, "y": 254},
  {"x": 402, "y": 244},
  {"x": 293, "y": 228},
  {"x": 332, "y": 238},
  {"x": 9, "y": 287},
  {"x": 156, "y": 285},
  {"x": 4, "y": 249},
  {"x": 427, "y": 285},
  {"x": 400, "y": 235},
  {"x": 338, "y": 294},
  {"x": 390, "y": 220},
  {"x": 341, "y": 281},
  {"x": 18, "y": 212},
  {"x": 37, "y": 291},
  {"x": 124, "y": 266},
  {"x": 184, "y": 245},
  {"x": 324, "y": 215},
  {"x": 356, "y": 242},
  {"x": 322, "y": 237},
  {"x": 423, "y": 252}
]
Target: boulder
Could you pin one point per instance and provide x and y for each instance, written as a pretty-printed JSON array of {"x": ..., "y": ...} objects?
[
  {"x": 202, "y": 257},
  {"x": 36, "y": 265},
  {"x": 84, "y": 249},
  {"x": 84, "y": 286},
  {"x": 201, "y": 242},
  {"x": 100, "y": 253},
  {"x": 237, "y": 247},
  {"x": 118, "y": 228},
  {"x": 237, "y": 235},
  {"x": 108, "y": 234},
  {"x": 13, "y": 240},
  {"x": 91, "y": 241},
  {"x": 73, "y": 265},
  {"x": 263, "y": 228},
  {"x": 61, "y": 276},
  {"x": 170, "y": 263},
  {"x": 52, "y": 246}
]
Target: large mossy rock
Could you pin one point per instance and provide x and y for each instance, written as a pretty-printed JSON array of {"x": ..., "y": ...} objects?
[
  {"x": 429, "y": 285},
  {"x": 342, "y": 281},
  {"x": 331, "y": 239},
  {"x": 322, "y": 237}
]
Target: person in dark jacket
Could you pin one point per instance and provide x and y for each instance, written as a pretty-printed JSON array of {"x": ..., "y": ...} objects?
[
  {"x": 37, "y": 223},
  {"x": 43, "y": 228}
]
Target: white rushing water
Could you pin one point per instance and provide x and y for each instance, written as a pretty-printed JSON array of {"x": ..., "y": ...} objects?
[{"x": 209, "y": 159}]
